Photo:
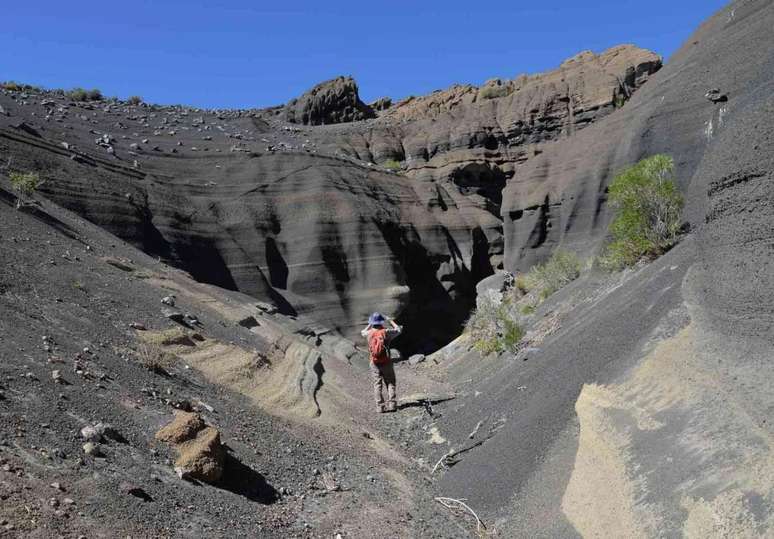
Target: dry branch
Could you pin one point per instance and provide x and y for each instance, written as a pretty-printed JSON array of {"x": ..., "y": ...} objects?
[{"x": 446, "y": 502}]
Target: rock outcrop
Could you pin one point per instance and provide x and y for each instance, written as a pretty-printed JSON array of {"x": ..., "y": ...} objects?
[
  {"x": 467, "y": 143},
  {"x": 330, "y": 102}
]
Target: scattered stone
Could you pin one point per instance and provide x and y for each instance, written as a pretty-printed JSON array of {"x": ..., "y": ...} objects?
[
  {"x": 206, "y": 406},
  {"x": 91, "y": 434},
  {"x": 138, "y": 326},
  {"x": 133, "y": 490},
  {"x": 99, "y": 432},
  {"x": 183, "y": 405},
  {"x": 68, "y": 501},
  {"x": 57, "y": 486},
  {"x": 56, "y": 376},
  {"x": 108, "y": 431},
  {"x": 716, "y": 96},
  {"x": 93, "y": 449},
  {"x": 175, "y": 316},
  {"x": 168, "y": 300},
  {"x": 268, "y": 308},
  {"x": 416, "y": 359}
]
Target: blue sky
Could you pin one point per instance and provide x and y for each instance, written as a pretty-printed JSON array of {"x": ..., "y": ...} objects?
[{"x": 243, "y": 53}]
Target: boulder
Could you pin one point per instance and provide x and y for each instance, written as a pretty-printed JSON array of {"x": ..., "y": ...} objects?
[
  {"x": 183, "y": 427},
  {"x": 200, "y": 453},
  {"x": 202, "y": 457}
]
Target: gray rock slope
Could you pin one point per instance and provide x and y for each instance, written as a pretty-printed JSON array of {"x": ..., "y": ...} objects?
[{"x": 644, "y": 411}]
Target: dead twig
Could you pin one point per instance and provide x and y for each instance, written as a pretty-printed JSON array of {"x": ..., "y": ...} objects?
[
  {"x": 447, "y": 503},
  {"x": 447, "y": 461},
  {"x": 475, "y": 431},
  {"x": 442, "y": 459}
]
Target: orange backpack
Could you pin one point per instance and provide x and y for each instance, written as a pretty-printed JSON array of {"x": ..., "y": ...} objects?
[{"x": 377, "y": 346}]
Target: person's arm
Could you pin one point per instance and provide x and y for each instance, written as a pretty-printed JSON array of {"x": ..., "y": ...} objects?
[
  {"x": 364, "y": 333},
  {"x": 395, "y": 330}
]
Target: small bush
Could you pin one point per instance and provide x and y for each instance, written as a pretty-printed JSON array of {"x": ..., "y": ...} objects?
[
  {"x": 558, "y": 271},
  {"x": 14, "y": 86},
  {"x": 134, "y": 100},
  {"x": 79, "y": 94},
  {"x": 648, "y": 206},
  {"x": 392, "y": 164},
  {"x": 492, "y": 328},
  {"x": 25, "y": 183},
  {"x": 155, "y": 359},
  {"x": 492, "y": 92}
]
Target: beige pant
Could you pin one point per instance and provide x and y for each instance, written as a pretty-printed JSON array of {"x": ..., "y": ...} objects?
[{"x": 384, "y": 375}]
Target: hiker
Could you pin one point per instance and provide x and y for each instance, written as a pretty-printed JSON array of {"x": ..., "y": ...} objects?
[{"x": 382, "y": 371}]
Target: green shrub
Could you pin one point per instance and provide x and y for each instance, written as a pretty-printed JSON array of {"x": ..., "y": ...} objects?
[
  {"x": 558, "y": 271},
  {"x": 392, "y": 164},
  {"x": 528, "y": 309},
  {"x": 26, "y": 183},
  {"x": 135, "y": 100},
  {"x": 647, "y": 205},
  {"x": 11, "y": 86},
  {"x": 14, "y": 86},
  {"x": 492, "y": 328},
  {"x": 79, "y": 94},
  {"x": 492, "y": 92}
]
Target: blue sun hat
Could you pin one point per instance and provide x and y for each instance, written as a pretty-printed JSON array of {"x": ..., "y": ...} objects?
[{"x": 376, "y": 319}]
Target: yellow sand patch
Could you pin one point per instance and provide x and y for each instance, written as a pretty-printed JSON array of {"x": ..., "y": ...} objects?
[{"x": 714, "y": 454}]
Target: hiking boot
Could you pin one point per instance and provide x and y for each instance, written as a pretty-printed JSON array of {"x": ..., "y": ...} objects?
[{"x": 392, "y": 407}]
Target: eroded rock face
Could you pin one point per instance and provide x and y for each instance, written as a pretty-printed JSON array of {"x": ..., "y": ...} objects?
[
  {"x": 470, "y": 143},
  {"x": 299, "y": 214},
  {"x": 330, "y": 102}
]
